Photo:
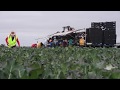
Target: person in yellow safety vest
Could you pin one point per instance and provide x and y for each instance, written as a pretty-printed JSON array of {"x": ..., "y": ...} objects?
[
  {"x": 12, "y": 39},
  {"x": 81, "y": 41}
]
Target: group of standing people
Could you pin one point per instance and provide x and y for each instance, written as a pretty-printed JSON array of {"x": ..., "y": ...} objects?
[
  {"x": 65, "y": 42},
  {"x": 12, "y": 40}
]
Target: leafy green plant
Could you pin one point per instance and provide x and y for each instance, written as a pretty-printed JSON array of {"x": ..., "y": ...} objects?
[{"x": 59, "y": 63}]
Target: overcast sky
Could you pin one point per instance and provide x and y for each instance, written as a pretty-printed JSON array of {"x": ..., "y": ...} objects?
[{"x": 30, "y": 25}]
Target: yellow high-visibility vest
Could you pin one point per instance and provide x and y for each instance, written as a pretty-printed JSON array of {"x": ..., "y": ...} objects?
[
  {"x": 11, "y": 42},
  {"x": 82, "y": 42}
]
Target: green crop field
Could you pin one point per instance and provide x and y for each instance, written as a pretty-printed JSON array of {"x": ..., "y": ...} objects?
[{"x": 59, "y": 63}]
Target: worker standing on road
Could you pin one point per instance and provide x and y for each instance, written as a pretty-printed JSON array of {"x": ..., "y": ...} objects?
[{"x": 12, "y": 39}]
